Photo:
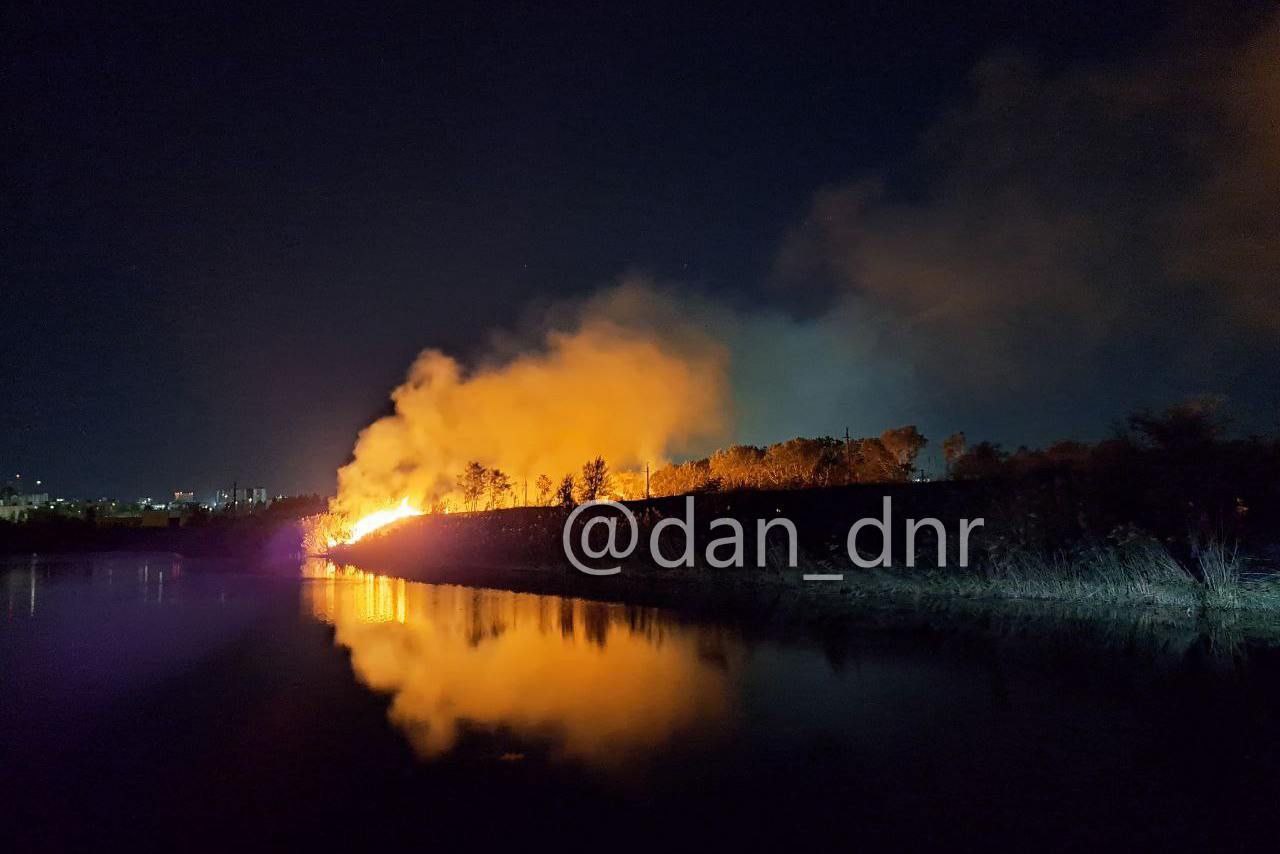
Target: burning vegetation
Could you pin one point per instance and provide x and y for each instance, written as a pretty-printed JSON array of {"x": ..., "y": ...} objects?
[
  {"x": 1168, "y": 511},
  {"x": 495, "y": 436}
]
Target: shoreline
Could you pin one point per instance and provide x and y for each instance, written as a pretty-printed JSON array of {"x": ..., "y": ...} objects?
[{"x": 785, "y": 603}]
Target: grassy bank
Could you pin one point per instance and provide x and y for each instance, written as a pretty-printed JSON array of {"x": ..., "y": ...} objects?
[
  {"x": 1216, "y": 579},
  {"x": 1142, "y": 575},
  {"x": 1020, "y": 554}
]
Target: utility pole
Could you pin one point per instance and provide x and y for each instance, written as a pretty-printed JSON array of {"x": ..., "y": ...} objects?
[{"x": 646, "y": 481}]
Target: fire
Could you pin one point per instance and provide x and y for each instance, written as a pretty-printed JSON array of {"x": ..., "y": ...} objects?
[
  {"x": 611, "y": 383},
  {"x": 379, "y": 519}
]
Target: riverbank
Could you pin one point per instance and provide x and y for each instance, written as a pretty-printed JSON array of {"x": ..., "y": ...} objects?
[
  {"x": 851, "y": 617},
  {"x": 1023, "y": 552},
  {"x": 1114, "y": 586}
]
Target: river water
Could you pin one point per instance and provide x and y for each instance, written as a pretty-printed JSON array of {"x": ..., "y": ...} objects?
[{"x": 159, "y": 703}]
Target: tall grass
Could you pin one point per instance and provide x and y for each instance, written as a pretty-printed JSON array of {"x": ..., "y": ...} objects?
[
  {"x": 1221, "y": 573},
  {"x": 1142, "y": 573}
]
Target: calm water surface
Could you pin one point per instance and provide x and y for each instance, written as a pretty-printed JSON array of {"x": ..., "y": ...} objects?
[{"x": 167, "y": 704}]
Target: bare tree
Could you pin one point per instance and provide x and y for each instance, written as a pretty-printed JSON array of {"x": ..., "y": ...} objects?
[
  {"x": 498, "y": 485},
  {"x": 681, "y": 479},
  {"x": 595, "y": 480},
  {"x": 564, "y": 495},
  {"x": 545, "y": 486},
  {"x": 738, "y": 467},
  {"x": 472, "y": 483}
]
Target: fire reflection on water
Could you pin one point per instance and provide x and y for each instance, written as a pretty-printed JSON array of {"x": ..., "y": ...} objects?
[{"x": 606, "y": 682}]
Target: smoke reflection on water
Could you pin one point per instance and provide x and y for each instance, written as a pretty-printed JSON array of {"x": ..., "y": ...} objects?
[{"x": 606, "y": 682}]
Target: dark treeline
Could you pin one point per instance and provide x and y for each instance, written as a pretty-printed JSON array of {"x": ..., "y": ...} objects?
[
  {"x": 1172, "y": 479},
  {"x": 1180, "y": 454},
  {"x": 271, "y": 530},
  {"x": 1175, "y": 475}
]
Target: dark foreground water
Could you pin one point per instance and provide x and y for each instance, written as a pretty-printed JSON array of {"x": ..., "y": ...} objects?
[{"x": 160, "y": 705}]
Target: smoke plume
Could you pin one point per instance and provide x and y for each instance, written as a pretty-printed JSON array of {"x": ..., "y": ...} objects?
[
  {"x": 1061, "y": 249},
  {"x": 610, "y": 384},
  {"x": 1064, "y": 245}
]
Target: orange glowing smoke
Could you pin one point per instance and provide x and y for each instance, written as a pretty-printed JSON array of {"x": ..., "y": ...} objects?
[{"x": 632, "y": 391}]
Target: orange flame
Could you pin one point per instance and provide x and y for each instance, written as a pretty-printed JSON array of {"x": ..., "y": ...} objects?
[{"x": 379, "y": 519}]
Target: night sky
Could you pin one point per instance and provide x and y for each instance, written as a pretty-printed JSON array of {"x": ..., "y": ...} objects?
[{"x": 227, "y": 229}]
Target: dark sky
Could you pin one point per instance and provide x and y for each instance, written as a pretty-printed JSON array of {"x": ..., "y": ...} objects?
[{"x": 228, "y": 228}]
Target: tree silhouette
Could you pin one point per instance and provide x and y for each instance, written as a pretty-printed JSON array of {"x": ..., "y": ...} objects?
[
  {"x": 498, "y": 485},
  {"x": 544, "y": 486},
  {"x": 564, "y": 494},
  {"x": 904, "y": 445},
  {"x": 982, "y": 460},
  {"x": 472, "y": 484},
  {"x": 1186, "y": 426},
  {"x": 953, "y": 448},
  {"x": 595, "y": 480}
]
